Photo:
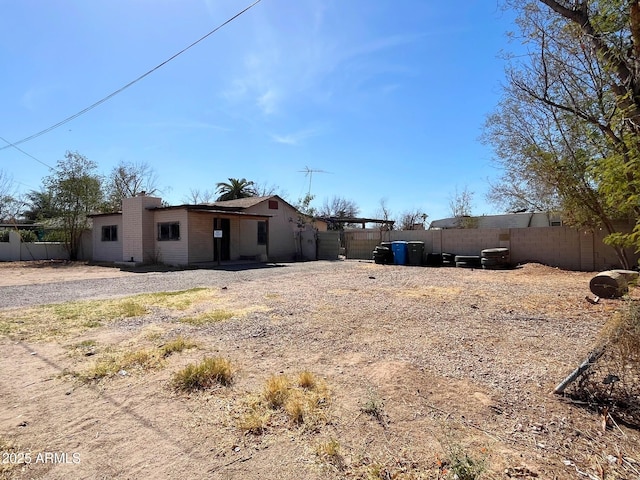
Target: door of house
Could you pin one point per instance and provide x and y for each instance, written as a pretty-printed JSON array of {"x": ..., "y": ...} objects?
[{"x": 223, "y": 224}]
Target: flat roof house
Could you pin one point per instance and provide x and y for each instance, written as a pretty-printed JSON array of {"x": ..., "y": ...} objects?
[{"x": 145, "y": 231}]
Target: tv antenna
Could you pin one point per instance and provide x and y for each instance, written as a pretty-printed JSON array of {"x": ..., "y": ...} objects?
[{"x": 308, "y": 172}]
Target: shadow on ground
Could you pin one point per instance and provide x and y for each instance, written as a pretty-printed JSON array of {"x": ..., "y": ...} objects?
[{"x": 228, "y": 267}]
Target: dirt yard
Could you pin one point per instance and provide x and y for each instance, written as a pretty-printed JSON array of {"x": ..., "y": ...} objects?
[{"x": 425, "y": 370}]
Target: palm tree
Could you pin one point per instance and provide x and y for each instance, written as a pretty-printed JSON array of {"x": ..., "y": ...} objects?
[{"x": 235, "y": 189}]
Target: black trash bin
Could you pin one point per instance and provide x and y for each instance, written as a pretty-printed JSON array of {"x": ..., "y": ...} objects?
[{"x": 416, "y": 251}]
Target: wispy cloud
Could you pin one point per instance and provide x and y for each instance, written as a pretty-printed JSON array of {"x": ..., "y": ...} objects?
[
  {"x": 277, "y": 73},
  {"x": 32, "y": 97},
  {"x": 296, "y": 138},
  {"x": 268, "y": 102}
]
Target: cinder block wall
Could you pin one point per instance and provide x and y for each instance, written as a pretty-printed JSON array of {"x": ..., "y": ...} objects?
[
  {"x": 562, "y": 247},
  {"x": 138, "y": 232}
]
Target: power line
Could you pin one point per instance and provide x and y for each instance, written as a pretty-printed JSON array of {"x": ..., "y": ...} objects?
[
  {"x": 111, "y": 95},
  {"x": 9, "y": 144}
]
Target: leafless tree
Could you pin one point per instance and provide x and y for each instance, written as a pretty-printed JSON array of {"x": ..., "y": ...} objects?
[
  {"x": 461, "y": 203},
  {"x": 129, "y": 179},
  {"x": 339, "y": 207},
  {"x": 10, "y": 204},
  {"x": 412, "y": 219},
  {"x": 197, "y": 196}
]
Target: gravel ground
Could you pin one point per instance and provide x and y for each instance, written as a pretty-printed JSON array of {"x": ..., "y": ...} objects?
[
  {"x": 146, "y": 282},
  {"x": 447, "y": 351}
]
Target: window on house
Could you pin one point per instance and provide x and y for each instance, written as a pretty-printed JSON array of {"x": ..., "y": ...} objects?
[
  {"x": 262, "y": 233},
  {"x": 273, "y": 204},
  {"x": 110, "y": 233},
  {"x": 169, "y": 231}
]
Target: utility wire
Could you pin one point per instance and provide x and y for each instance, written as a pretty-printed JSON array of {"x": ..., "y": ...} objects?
[
  {"x": 9, "y": 144},
  {"x": 111, "y": 95}
]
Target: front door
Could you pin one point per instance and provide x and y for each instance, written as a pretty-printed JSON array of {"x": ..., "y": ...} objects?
[{"x": 223, "y": 243}]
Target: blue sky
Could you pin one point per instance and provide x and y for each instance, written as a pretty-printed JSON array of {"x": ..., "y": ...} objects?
[{"x": 389, "y": 97}]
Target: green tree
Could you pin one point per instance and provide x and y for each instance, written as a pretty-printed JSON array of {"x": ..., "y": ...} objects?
[
  {"x": 568, "y": 126},
  {"x": 76, "y": 191},
  {"x": 234, "y": 189},
  {"x": 39, "y": 206}
]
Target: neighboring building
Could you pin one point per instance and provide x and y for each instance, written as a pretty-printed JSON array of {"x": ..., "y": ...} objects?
[
  {"x": 509, "y": 220},
  {"x": 257, "y": 228}
]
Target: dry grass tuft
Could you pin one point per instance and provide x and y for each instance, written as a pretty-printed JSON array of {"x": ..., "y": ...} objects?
[
  {"x": 179, "y": 300},
  {"x": 72, "y": 318},
  {"x": 255, "y": 421},
  {"x": 276, "y": 391},
  {"x": 177, "y": 345},
  {"x": 123, "y": 363},
  {"x": 206, "y": 318},
  {"x": 329, "y": 452},
  {"x": 302, "y": 403},
  {"x": 208, "y": 373},
  {"x": 307, "y": 380}
]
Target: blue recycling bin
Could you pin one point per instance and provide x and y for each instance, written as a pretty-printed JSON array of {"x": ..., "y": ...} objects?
[{"x": 400, "y": 249}]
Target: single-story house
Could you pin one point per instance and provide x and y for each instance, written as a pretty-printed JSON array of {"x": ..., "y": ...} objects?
[{"x": 146, "y": 231}]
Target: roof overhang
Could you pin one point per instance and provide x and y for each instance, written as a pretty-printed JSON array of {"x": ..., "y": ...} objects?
[{"x": 228, "y": 214}]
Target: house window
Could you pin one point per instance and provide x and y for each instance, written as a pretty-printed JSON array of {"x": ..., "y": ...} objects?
[
  {"x": 169, "y": 231},
  {"x": 262, "y": 233},
  {"x": 273, "y": 204},
  {"x": 110, "y": 233}
]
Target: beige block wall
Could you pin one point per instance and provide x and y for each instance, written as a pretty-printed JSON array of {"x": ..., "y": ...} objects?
[
  {"x": 282, "y": 226},
  {"x": 138, "y": 228},
  {"x": 200, "y": 243},
  {"x": 248, "y": 244},
  {"x": 556, "y": 246},
  {"x": 107, "y": 251},
  {"x": 172, "y": 252},
  {"x": 562, "y": 247}
]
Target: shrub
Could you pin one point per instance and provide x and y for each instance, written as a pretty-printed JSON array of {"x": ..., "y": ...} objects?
[
  {"x": 54, "y": 236},
  {"x": 4, "y": 235},
  {"x": 374, "y": 407},
  {"x": 28, "y": 236},
  {"x": 461, "y": 465}
]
